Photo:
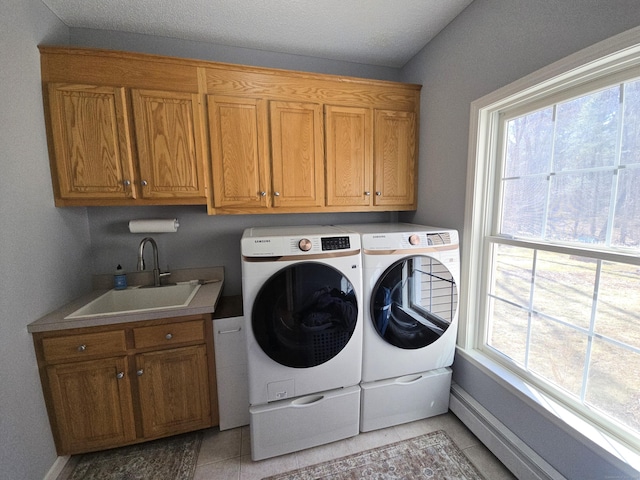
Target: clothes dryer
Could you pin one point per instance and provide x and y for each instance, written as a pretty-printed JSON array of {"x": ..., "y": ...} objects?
[
  {"x": 302, "y": 293},
  {"x": 411, "y": 276}
]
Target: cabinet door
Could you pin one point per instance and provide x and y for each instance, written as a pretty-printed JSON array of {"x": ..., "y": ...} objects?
[
  {"x": 239, "y": 151},
  {"x": 174, "y": 391},
  {"x": 92, "y": 143},
  {"x": 297, "y": 154},
  {"x": 171, "y": 145},
  {"x": 394, "y": 157},
  {"x": 92, "y": 404},
  {"x": 348, "y": 155}
]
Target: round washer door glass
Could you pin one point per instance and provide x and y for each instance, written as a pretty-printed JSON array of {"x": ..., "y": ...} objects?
[
  {"x": 305, "y": 314},
  {"x": 414, "y": 302}
]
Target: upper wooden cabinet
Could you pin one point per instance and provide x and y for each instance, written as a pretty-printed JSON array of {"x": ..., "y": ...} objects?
[
  {"x": 265, "y": 154},
  {"x": 297, "y": 154},
  {"x": 171, "y": 146},
  {"x": 136, "y": 129},
  {"x": 394, "y": 157},
  {"x": 349, "y": 145},
  {"x": 91, "y": 141},
  {"x": 239, "y": 152},
  {"x": 123, "y": 129},
  {"x": 370, "y": 162}
]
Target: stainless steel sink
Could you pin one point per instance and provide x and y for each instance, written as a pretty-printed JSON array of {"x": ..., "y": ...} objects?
[{"x": 132, "y": 300}]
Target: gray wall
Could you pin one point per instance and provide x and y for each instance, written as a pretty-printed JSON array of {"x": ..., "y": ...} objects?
[
  {"x": 44, "y": 251},
  {"x": 491, "y": 44}
]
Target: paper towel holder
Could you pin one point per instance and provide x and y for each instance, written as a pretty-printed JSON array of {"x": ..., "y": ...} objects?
[{"x": 154, "y": 225}]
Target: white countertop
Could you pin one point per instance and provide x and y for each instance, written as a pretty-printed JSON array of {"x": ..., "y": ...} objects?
[{"x": 204, "y": 301}]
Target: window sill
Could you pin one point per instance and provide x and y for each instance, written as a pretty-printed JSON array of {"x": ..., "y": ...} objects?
[{"x": 591, "y": 437}]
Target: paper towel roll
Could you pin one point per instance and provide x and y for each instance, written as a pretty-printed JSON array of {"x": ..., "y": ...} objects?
[{"x": 154, "y": 226}]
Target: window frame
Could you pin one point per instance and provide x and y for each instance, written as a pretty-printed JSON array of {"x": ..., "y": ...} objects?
[{"x": 611, "y": 61}]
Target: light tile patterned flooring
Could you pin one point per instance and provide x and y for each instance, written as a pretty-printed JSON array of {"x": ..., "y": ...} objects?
[{"x": 226, "y": 455}]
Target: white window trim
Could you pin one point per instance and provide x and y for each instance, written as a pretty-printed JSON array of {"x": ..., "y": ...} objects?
[{"x": 603, "y": 59}]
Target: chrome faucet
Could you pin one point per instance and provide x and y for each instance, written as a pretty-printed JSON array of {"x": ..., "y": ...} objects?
[{"x": 156, "y": 268}]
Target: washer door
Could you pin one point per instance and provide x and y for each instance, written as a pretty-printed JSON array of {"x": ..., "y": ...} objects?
[
  {"x": 304, "y": 315},
  {"x": 414, "y": 302}
]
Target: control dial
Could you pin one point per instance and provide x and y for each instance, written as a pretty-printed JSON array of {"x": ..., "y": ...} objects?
[
  {"x": 414, "y": 239},
  {"x": 304, "y": 244}
]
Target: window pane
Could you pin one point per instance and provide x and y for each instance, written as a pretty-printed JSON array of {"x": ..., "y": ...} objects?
[
  {"x": 569, "y": 180},
  {"x": 529, "y": 144},
  {"x": 579, "y": 207},
  {"x": 564, "y": 287},
  {"x": 614, "y": 383},
  {"x": 508, "y": 330},
  {"x": 557, "y": 354},
  {"x": 626, "y": 224},
  {"x": 512, "y": 274},
  {"x": 524, "y": 203},
  {"x": 631, "y": 130},
  {"x": 618, "y": 314},
  {"x": 586, "y": 131}
]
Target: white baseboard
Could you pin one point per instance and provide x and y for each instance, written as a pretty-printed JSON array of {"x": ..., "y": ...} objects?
[
  {"x": 57, "y": 467},
  {"x": 521, "y": 460}
]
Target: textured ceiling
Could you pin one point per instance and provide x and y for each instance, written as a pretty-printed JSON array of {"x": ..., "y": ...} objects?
[{"x": 374, "y": 32}]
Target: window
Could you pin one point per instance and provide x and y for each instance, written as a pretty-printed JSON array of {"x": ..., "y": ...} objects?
[{"x": 554, "y": 227}]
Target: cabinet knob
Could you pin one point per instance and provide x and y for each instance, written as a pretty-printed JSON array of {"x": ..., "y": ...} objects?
[
  {"x": 276, "y": 194},
  {"x": 144, "y": 183},
  {"x": 168, "y": 336},
  {"x": 140, "y": 372},
  {"x": 263, "y": 194},
  {"x": 127, "y": 183},
  {"x": 367, "y": 193},
  {"x": 120, "y": 375},
  {"x": 378, "y": 193},
  {"x": 82, "y": 348}
]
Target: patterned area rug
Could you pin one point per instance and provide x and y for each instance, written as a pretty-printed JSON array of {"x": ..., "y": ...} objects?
[
  {"x": 172, "y": 458},
  {"x": 432, "y": 456}
]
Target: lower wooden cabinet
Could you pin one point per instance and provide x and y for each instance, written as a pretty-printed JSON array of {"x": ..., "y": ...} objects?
[
  {"x": 174, "y": 390},
  {"x": 92, "y": 404},
  {"x": 158, "y": 381}
]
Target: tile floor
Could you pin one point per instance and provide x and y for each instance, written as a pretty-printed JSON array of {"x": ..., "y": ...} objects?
[{"x": 226, "y": 455}]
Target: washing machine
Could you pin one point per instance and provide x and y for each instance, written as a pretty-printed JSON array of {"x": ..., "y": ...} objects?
[
  {"x": 410, "y": 287},
  {"x": 302, "y": 294}
]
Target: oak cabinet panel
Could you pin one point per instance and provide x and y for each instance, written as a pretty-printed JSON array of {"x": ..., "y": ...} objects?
[
  {"x": 394, "y": 157},
  {"x": 239, "y": 152},
  {"x": 82, "y": 346},
  {"x": 171, "y": 147},
  {"x": 92, "y": 141},
  {"x": 297, "y": 154},
  {"x": 348, "y": 155},
  {"x": 174, "y": 394},
  {"x": 92, "y": 404}
]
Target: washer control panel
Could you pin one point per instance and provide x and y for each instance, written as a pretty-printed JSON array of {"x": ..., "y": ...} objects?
[{"x": 335, "y": 243}]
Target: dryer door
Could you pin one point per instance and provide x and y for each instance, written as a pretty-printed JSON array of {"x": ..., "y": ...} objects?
[
  {"x": 305, "y": 314},
  {"x": 414, "y": 302}
]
